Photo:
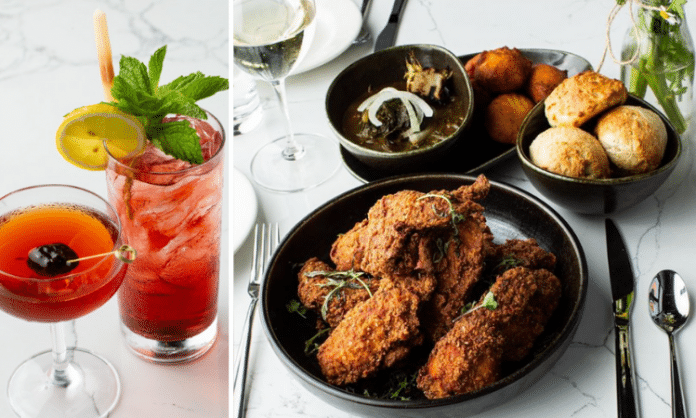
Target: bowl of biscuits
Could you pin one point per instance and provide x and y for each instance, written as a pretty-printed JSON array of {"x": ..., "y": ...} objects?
[{"x": 593, "y": 148}]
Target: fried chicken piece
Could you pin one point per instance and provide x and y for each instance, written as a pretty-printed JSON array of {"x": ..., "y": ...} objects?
[
  {"x": 374, "y": 335},
  {"x": 400, "y": 235},
  {"x": 519, "y": 253},
  {"x": 314, "y": 290},
  {"x": 458, "y": 273},
  {"x": 468, "y": 357},
  {"x": 526, "y": 299}
]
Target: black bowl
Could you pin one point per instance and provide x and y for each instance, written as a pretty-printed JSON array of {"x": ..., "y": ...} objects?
[
  {"x": 510, "y": 213},
  {"x": 383, "y": 68},
  {"x": 595, "y": 196}
]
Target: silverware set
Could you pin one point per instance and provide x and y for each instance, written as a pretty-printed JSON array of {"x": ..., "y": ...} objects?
[
  {"x": 387, "y": 36},
  {"x": 669, "y": 308}
]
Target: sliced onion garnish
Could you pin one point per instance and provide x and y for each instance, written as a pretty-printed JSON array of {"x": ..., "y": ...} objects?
[{"x": 416, "y": 107}]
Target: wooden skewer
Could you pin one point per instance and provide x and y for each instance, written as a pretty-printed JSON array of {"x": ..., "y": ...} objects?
[
  {"x": 125, "y": 253},
  {"x": 106, "y": 66}
]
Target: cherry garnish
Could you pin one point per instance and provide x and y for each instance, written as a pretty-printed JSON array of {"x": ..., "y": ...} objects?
[{"x": 52, "y": 260}]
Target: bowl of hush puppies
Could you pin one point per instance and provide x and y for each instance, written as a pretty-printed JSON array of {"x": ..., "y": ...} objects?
[{"x": 593, "y": 148}]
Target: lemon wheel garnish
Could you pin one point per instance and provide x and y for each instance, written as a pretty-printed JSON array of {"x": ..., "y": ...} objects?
[{"x": 80, "y": 138}]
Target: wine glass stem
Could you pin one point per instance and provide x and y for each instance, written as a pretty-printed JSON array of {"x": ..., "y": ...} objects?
[
  {"x": 292, "y": 151},
  {"x": 59, "y": 373}
]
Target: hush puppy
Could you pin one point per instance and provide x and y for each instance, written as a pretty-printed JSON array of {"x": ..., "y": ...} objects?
[
  {"x": 543, "y": 79},
  {"x": 500, "y": 70},
  {"x": 505, "y": 114}
]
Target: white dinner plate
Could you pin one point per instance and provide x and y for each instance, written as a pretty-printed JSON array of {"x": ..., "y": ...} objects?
[
  {"x": 245, "y": 208},
  {"x": 338, "y": 23}
]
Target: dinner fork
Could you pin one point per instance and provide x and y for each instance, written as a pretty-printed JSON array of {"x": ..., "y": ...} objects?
[
  {"x": 266, "y": 238},
  {"x": 364, "y": 34}
]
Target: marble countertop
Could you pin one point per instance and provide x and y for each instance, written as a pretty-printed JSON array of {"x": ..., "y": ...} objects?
[
  {"x": 659, "y": 232},
  {"x": 48, "y": 67}
]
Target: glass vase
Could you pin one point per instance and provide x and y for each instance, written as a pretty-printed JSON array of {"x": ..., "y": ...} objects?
[{"x": 662, "y": 69}]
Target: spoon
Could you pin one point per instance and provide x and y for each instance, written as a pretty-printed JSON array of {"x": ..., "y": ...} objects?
[{"x": 669, "y": 309}]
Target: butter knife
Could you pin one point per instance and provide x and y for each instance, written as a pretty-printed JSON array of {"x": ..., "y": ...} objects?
[
  {"x": 387, "y": 37},
  {"x": 621, "y": 277}
]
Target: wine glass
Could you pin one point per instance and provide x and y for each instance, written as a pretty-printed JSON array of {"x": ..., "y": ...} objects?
[
  {"x": 269, "y": 36},
  {"x": 57, "y": 263}
]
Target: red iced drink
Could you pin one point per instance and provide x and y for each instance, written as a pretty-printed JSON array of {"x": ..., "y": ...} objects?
[{"x": 171, "y": 213}]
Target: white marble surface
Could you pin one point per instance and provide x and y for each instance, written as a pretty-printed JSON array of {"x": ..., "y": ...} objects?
[
  {"x": 48, "y": 66},
  {"x": 659, "y": 232}
]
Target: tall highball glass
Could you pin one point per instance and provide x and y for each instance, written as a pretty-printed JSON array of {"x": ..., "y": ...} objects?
[{"x": 171, "y": 211}]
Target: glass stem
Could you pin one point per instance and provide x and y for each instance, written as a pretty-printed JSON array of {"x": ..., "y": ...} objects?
[
  {"x": 292, "y": 151},
  {"x": 60, "y": 373}
]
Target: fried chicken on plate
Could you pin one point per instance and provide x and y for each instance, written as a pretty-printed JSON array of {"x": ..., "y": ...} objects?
[{"x": 402, "y": 278}]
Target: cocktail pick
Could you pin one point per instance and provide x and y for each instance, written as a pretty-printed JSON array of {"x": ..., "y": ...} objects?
[
  {"x": 106, "y": 66},
  {"x": 125, "y": 253}
]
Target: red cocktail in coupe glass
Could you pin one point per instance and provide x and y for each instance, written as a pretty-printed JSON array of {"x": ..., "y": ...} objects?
[
  {"x": 43, "y": 230},
  {"x": 171, "y": 212}
]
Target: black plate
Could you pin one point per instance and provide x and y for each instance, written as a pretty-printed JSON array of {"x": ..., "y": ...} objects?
[
  {"x": 480, "y": 153},
  {"x": 510, "y": 213}
]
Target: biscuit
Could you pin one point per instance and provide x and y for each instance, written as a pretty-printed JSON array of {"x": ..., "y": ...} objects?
[
  {"x": 580, "y": 98},
  {"x": 633, "y": 137},
  {"x": 571, "y": 152}
]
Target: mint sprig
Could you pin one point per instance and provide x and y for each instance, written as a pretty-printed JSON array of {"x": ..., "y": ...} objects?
[{"x": 137, "y": 91}]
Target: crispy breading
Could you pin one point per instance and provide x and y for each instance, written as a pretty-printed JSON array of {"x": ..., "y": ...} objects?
[
  {"x": 374, "y": 335},
  {"x": 426, "y": 255},
  {"x": 400, "y": 235},
  {"x": 468, "y": 357},
  {"x": 526, "y": 299},
  {"x": 458, "y": 273},
  {"x": 520, "y": 253},
  {"x": 314, "y": 289}
]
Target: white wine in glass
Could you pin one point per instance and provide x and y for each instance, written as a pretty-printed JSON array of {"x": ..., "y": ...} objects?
[{"x": 269, "y": 36}]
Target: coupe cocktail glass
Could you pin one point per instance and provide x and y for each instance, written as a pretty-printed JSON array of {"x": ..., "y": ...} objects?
[
  {"x": 60, "y": 382},
  {"x": 171, "y": 212}
]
